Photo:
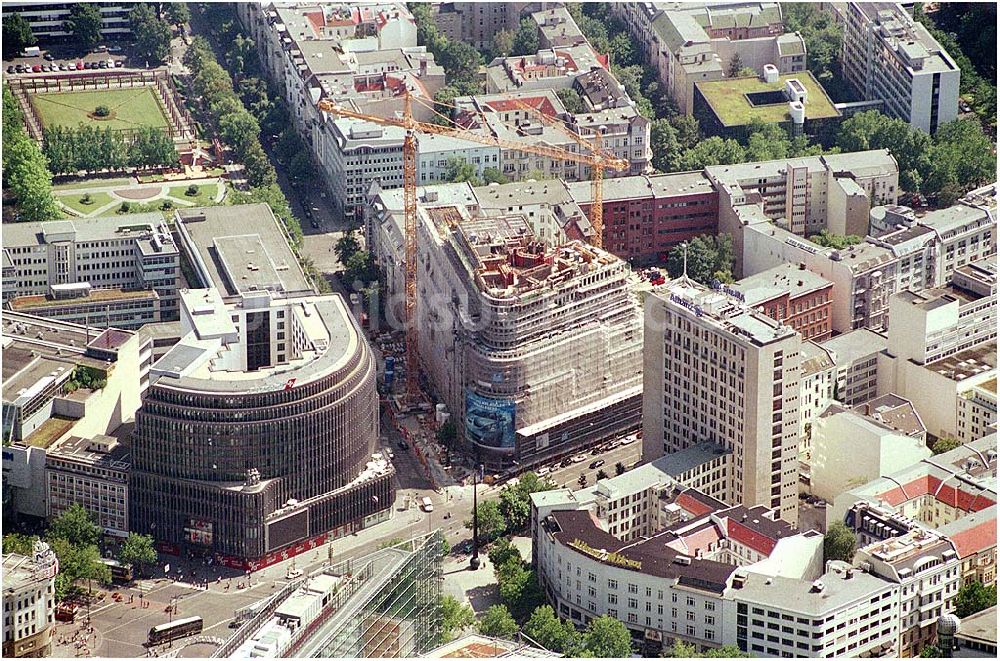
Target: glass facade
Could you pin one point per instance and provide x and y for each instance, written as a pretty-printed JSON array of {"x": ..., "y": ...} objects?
[
  {"x": 396, "y": 610},
  {"x": 213, "y": 470}
]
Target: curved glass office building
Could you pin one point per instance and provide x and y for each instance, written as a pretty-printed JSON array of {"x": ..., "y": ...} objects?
[{"x": 259, "y": 431}]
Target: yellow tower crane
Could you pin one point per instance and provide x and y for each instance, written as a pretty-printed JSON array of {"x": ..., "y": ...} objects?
[{"x": 597, "y": 160}]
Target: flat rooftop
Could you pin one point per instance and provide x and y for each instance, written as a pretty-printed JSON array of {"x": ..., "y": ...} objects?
[
  {"x": 84, "y": 229},
  {"x": 118, "y": 457},
  {"x": 729, "y": 101},
  {"x": 240, "y": 249},
  {"x": 95, "y": 297},
  {"x": 856, "y": 344},
  {"x": 799, "y": 595},
  {"x": 787, "y": 278},
  {"x": 968, "y": 363}
]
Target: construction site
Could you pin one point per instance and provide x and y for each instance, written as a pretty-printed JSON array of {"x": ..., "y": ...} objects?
[{"x": 535, "y": 348}]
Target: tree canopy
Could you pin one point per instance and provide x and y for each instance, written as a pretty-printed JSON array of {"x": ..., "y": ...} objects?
[
  {"x": 839, "y": 543},
  {"x": 975, "y": 597},
  {"x": 958, "y": 158},
  {"x": 152, "y": 33},
  {"x": 455, "y": 616},
  {"x": 491, "y": 521},
  {"x": 709, "y": 258},
  {"x": 607, "y": 638},
  {"x": 525, "y": 40},
  {"x": 137, "y": 550},
  {"x": 828, "y": 239},
  {"x": 554, "y": 634},
  {"x": 498, "y": 622},
  {"x": 945, "y": 444},
  {"x": 17, "y": 36},
  {"x": 515, "y": 500},
  {"x": 84, "y": 23},
  {"x": 25, "y": 170},
  {"x": 76, "y": 525}
]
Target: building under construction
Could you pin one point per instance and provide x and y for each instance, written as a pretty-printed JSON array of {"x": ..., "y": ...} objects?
[{"x": 537, "y": 349}]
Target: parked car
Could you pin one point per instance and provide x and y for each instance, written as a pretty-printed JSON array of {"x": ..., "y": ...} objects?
[
  {"x": 566, "y": 462},
  {"x": 79, "y": 65},
  {"x": 628, "y": 439},
  {"x": 597, "y": 450},
  {"x": 37, "y": 68},
  {"x": 119, "y": 64},
  {"x": 48, "y": 56},
  {"x": 596, "y": 464},
  {"x": 543, "y": 471},
  {"x": 102, "y": 64},
  {"x": 315, "y": 225},
  {"x": 111, "y": 63},
  {"x": 309, "y": 213},
  {"x": 114, "y": 49},
  {"x": 403, "y": 445},
  {"x": 10, "y": 69},
  {"x": 578, "y": 458}
]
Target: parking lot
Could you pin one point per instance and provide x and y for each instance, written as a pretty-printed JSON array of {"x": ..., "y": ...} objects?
[{"x": 64, "y": 61}]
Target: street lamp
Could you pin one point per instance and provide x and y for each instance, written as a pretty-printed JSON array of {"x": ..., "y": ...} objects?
[{"x": 474, "y": 560}]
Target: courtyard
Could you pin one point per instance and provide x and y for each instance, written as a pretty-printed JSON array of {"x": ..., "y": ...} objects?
[{"x": 128, "y": 108}]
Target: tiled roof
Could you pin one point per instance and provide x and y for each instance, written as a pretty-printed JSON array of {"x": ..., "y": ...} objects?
[{"x": 975, "y": 538}]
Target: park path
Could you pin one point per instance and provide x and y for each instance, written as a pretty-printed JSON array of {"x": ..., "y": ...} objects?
[{"x": 164, "y": 187}]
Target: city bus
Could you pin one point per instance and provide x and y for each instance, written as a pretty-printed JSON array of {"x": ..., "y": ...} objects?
[
  {"x": 119, "y": 573},
  {"x": 164, "y": 633}
]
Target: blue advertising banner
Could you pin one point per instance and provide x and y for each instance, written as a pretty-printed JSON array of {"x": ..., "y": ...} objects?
[{"x": 488, "y": 421}]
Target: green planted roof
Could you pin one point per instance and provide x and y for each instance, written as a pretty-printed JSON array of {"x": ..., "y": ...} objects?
[{"x": 728, "y": 99}]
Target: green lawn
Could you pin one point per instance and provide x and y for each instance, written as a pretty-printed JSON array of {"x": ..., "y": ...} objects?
[
  {"x": 97, "y": 200},
  {"x": 131, "y": 108},
  {"x": 93, "y": 183},
  {"x": 727, "y": 97},
  {"x": 205, "y": 197}
]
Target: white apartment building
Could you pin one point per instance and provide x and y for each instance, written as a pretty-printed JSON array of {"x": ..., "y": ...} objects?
[
  {"x": 48, "y": 19},
  {"x": 850, "y": 448},
  {"x": 805, "y": 195},
  {"x": 353, "y": 154},
  {"x": 477, "y": 22},
  {"x": 716, "y": 371},
  {"x": 624, "y": 132},
  {"x": 936, "y": 323},
  {"x": 435, "y": 152},
  {"x": 92, "y": 472},
  {"x": 934, "y": 247},
  {"x": 538, "y": 347},
  {"x": 926, "y": 567},
  {"x": 843, "y": 613},
  {"x": 818, "y": 380},
  {"x": 689, "y": 43},
  {"x": 29, "y": 597},
  {"x": 977, "y": 411},
  {"x": 41, "y": 357},
  {"x": 666, "y": 583},
  {"x": 941, "y": 344},
  {"x": 59, "y": 257},
  {"x": 864, "y": 275},
  {"x": 889, "y": 57},
  {"x": 855, "y": 354},
  {"x": 548, "y": 69}
]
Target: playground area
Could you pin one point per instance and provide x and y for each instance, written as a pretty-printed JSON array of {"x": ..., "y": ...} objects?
[{"x": 131, "y": 108}]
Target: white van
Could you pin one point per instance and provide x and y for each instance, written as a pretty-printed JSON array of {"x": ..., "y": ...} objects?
[{"x": 426, "y": 504}]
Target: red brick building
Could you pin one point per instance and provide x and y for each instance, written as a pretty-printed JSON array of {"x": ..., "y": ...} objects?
[
  {"x": 793, "y": 295},
  {"x": 646, "y": 216}
]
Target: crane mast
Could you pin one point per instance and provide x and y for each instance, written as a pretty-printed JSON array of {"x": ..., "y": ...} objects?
[{"x": 597, "y": 160}]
